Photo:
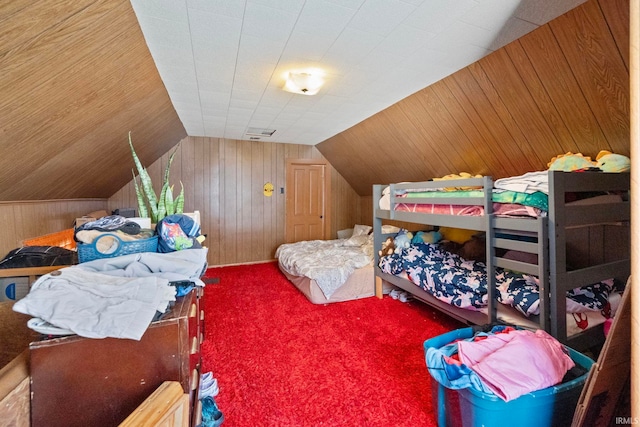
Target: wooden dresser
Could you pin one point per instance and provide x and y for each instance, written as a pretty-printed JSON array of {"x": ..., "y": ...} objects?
[{"x": 79, "y": 381}]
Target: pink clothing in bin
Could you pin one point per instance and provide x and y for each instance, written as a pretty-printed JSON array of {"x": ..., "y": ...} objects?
[{"x": 518, "y": 362}]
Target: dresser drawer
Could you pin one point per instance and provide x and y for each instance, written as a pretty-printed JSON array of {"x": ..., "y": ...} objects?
[{"x": 78, "y": 381}]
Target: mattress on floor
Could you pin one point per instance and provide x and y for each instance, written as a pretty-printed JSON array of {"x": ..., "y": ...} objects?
[{"x": 359, "y": 285}]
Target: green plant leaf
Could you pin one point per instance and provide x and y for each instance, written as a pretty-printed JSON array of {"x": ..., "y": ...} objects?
[
  {"x": 166, "y": 171},
  {"x": 147, "y": 185},
  {"x": 162, "y": 207},
  {"x": 142, "y": 205},
  {"x": 153, "y": 206},
  {"x": 180, "y": 200},
  {"x": 168, "y": 201}
]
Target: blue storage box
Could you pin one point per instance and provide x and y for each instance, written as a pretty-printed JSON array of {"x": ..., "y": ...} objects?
[{"x": 552, "y": 406}]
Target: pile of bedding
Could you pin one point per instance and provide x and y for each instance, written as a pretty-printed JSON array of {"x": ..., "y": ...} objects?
[
  {"x": 518, "y": 196},
  {"x": 529, "y": 201},
  {"x": 463, "y": 283},
  {"x": 328, "y": 262}
]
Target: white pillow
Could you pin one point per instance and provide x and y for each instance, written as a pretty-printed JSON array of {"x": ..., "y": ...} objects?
[
  {"x": 361, "y": 230},
  {"x": 357, "y": 240},
  {"x": 390, "y": 229}
]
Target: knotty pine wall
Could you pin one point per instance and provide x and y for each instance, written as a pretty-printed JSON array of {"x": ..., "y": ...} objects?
[
  {"x": 28, "y": 219},
  {"x": 224, "y": 180}
]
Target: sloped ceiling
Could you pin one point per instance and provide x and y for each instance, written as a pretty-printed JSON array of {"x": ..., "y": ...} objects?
[
  {"x": 224, "y": 62},
  {"x": 561, "y": 88},
  {"x": 78, "y": 76}
]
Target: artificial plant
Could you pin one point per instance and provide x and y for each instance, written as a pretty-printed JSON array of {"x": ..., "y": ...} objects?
[{"x": 149, "y": 204}]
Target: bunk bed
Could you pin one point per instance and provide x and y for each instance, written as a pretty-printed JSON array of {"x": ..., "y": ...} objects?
[{"x": 545, "y": 236}]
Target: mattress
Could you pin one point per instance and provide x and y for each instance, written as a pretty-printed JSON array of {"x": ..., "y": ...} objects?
[{"x": 359, "y": 285}]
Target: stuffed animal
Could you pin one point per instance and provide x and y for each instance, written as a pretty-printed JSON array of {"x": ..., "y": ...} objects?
[
  {"x": 402, "y": 240},
  {"x": 474, "y": 249},
  {"x": 458, "y": 235},
  {"x": 609, "y": 162},
  {"x": 570, "y": 162},
  {"x": 427, "y": 237},
  {"x": 605, "y": 161},
  {"x": 461, "y": 175},
  {"x": 387, "y": 247}
]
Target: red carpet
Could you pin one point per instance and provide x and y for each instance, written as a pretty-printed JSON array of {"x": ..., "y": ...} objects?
[{"x": 282, "y": 361}]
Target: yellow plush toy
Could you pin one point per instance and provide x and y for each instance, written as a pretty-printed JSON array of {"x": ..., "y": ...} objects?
[
  {"x": 609, "y": 162},
  {"x": 605, "y": 161},
  {"x": 461, "y": 175},
  {"x": 570, "y": 162},
  {"x": 458, "y": 235}
]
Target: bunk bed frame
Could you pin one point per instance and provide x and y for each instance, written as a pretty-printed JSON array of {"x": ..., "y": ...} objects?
[{"x": 545, "y": 237}]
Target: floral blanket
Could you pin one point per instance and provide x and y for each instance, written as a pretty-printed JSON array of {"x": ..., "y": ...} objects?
[
  {"x": 463, "y": 283},
  {"x": 328, "y": 262}
]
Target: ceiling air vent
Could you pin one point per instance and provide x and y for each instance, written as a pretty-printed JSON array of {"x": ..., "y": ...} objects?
[{"x": 260, "y": 132}]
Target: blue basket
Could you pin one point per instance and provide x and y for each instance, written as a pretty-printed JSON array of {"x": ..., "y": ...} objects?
[
  {"x": 552, "y": 406},
  {"x": 115, "y": 247}
]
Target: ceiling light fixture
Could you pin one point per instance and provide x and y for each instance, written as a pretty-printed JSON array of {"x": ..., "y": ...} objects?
[{"x": 303, "y": 83}]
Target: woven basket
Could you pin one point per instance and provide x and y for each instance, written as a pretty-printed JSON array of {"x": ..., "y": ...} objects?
[{"x": 115, "y": 247}]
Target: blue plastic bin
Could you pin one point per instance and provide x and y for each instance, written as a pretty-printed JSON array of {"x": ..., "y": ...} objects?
[{"x": 552, "y": 406}]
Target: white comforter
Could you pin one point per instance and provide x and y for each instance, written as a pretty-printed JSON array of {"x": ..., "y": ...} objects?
[{"x": 328, "y": 262}]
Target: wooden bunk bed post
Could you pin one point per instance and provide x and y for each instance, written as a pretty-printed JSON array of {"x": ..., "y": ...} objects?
[
  {"x": 543, "y": 273},
  {"x": 557, "y": 255},
  {"x": 487, "y": 189},
  {"x": 377, "y": 238}
]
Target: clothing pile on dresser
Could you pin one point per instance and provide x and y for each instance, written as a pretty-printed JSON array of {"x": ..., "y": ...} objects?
[
  {"x": 113, "y": 297},
  {"x": 125, "y": 229}
]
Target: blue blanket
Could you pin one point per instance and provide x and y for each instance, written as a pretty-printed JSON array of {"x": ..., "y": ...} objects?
[{"x": 463, "y": 283}]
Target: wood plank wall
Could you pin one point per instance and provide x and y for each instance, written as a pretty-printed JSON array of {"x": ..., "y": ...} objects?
[
  {"x": 76, "y": 77},
  {"x": 224, "y": 180},
  {"x": 563, "y": 87},
  {"x": 25, "y": 220}
]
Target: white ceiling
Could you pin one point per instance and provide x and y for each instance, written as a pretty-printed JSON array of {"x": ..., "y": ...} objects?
[{"x": 223, "y": 62}]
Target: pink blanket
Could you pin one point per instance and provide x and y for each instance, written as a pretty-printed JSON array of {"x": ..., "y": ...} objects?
[{"x": 499, "y": 209}]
